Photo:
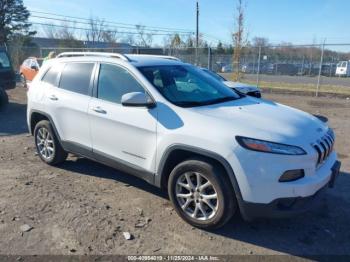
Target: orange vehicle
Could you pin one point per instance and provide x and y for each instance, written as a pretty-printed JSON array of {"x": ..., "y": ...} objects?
[{"x": 29, "y": 68}]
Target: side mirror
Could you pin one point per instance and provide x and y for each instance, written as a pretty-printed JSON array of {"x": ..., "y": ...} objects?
[{"x": 137, "y": 99}]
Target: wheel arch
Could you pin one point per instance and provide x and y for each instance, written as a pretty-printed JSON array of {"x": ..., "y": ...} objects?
[
  {"x": 37, "y": 116},
  {"x": 178, "y": 153}
]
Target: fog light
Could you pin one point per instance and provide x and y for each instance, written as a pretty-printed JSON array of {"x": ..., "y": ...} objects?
[{"x": 292, "y": 175}]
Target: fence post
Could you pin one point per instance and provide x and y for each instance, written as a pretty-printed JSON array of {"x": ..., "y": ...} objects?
[
  {"x": 320, "y": 70},
  {"x": 209, "y": 58},
  {"x": 258, "y": 72}
]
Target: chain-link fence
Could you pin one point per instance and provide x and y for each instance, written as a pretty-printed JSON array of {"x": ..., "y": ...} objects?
[{"x": 312, "y": 68}]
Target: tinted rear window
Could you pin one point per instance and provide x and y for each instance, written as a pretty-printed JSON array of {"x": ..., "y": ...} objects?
[
  {"x": 76, "y": 77},
  {"x": 4, "y": 60},
  {"x": 51, "y": 75}
]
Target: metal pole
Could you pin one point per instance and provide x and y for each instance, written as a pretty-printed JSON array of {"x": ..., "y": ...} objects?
[
  {"x": 209, "y": 58},
  {"x": 320, "y": 69},
  {"x": 197, "y": 30},
  {"x": 258, "y": 72}
]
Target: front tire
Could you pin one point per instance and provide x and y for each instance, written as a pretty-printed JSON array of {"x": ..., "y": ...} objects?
[
  {"x": 201, "y": 193},
  {"x": 48, "y": 147}
]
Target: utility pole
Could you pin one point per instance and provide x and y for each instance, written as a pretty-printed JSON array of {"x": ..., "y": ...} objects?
[
  {"x": 197, "y": 31},
  {"x": 258, "y": 72},
  {"x": 320, "y": 69}
]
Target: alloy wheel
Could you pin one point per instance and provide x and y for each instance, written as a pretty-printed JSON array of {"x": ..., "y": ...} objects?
[
  {"x": 196, "y": 196},
  {"x": 45, "y": 143}
]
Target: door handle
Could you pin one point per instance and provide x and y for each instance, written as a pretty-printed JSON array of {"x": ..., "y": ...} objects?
[
  {"x": 99, "y": 110},
  {"x": 53, "y": 98}
]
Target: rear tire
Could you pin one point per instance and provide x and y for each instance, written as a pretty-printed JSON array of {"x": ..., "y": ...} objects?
[
  {"x": 206, "y": 202},
  {"x": 48, "y": 147}
]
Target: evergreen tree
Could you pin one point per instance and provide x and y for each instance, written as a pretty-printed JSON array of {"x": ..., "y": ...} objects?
[{"x": 13, "y": 20}]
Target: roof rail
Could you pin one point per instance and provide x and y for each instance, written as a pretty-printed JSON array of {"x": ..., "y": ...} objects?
[
  {"x": 159, "y": 56},
  {"x": 102, "y": 54}
]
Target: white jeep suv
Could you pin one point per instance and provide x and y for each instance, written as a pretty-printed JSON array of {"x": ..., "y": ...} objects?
[{"x": 215, "y": 151}]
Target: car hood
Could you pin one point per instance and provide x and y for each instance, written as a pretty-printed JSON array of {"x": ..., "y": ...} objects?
[
  {"x": 264, "y": 119},
  {"x": 244, "y": 88}
]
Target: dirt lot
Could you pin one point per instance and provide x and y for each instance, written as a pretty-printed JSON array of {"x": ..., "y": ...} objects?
[{"x": 83, "y": 207}]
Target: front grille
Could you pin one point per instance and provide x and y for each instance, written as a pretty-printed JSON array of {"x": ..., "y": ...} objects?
[{"x": 324, "y": 147}]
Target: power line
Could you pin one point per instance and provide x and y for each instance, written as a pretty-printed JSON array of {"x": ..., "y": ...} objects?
[
  {"x": 102, "y": 24},
  {"x": 112, "y": 22},
  {"x": 106, "y": 31}
]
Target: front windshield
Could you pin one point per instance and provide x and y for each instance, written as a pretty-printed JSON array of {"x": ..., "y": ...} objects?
[
  {"x": 4, "y": 60},
  {"x": 187, "y": 86},
  {"x": 215, "y": 75}
]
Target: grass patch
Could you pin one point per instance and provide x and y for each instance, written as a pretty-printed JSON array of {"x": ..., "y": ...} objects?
[
  {"x": 302, "y": 87},
  {"x": 298, "y": 87}
]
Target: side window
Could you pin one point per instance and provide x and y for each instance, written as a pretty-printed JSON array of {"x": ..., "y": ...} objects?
[
  {"x": 76, "y": 77},
  {"x": 114, "y": 82},
  {"x": 51, "y": 75}
]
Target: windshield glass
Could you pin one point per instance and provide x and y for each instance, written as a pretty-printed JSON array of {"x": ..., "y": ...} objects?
[
  {"x": 187, "y": 86},
  {"x": 215, "y": 75},
  {"x": 4, "y": 60}
]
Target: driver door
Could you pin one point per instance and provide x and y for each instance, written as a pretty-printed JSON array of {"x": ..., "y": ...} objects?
[{"x": 121, "y": 133}]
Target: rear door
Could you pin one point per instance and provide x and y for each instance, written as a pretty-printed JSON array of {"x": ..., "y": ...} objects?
[{"x": 67, "y": 103}]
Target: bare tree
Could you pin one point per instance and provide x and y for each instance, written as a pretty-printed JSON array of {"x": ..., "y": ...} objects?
[
  {"x": 238, "y": 37},
  {"x": 129, "y": 39},
  {"x": 145, "y": 39},
  {"x": 65, "y": 32},
  {"x": 109, "y": 36},
  {"x": 50, "y": 31},
  {"x": 96, "y": 31},
  {"x": 176, "y": 41},
  {"x": 260, "y": 42},
  {"x": 189, "y": 42}
]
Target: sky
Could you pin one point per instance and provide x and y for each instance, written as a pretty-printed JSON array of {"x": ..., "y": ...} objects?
[{"x": 295, "y": 21}]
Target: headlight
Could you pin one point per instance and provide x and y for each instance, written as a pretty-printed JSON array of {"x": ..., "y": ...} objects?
[
  {"x": 269, "y": 147},
  {"x": 330, "y": 132}
]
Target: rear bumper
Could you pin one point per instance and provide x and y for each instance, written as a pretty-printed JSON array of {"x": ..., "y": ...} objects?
[
  {"x": 284, "y": 207},
  {"x": 8, "y": 84}
]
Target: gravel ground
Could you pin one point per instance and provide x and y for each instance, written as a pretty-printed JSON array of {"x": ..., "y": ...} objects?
[{"x": 83, "y": 207}]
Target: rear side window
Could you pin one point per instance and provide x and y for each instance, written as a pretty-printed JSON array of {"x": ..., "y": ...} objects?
[
  {"x": 4, "y": 60},
  {"x": 76, "y": 77},
  {"x": 51, "y": 75}
]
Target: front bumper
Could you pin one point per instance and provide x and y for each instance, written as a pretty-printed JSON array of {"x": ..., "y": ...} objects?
[{"x": 286, "y": 207}]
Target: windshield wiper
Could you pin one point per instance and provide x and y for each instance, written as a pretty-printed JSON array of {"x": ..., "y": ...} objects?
[
  {"x": 188, "y": 103},
  {"x": 220, "y": 100},
  {"x": 203, "y": 103}
]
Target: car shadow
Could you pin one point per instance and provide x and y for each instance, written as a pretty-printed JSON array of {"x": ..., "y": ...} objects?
[
  {"x": 13, "y": 119},
  {"x": 88, "y": 167},
  {"x": 318, "y": 232}
]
